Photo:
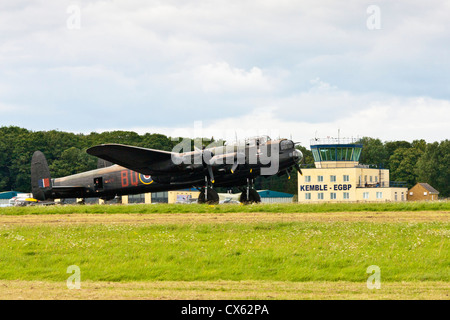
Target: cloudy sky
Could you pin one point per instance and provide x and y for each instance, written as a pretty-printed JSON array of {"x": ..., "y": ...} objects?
[{"x": 299, "y": 69}]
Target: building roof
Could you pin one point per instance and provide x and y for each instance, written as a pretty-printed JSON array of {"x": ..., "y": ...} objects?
[
  {"x": 8, "y": 194},
  {"x": 274, "y": 194},
  {"x": 428, "y": 187}
]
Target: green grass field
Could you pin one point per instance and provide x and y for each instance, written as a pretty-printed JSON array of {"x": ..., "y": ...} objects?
[
  {"x": 295, "y": 251},
  {"x": 305, "y": 257}
]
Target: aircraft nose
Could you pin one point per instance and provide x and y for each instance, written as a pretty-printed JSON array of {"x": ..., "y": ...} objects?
[{"x": 297, "y": 155}]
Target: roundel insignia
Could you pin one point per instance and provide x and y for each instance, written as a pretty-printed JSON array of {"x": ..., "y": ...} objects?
[{"x": 145, "y": 179}]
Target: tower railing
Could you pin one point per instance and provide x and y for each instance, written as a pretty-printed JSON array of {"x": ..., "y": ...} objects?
[{"x": 319, "y": 141}]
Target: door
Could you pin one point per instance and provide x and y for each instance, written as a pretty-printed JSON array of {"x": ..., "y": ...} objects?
[{"x": 98, "y": 183}]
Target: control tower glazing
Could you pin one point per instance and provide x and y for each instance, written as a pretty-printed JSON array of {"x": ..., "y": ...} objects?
[{"x": 336, "y": 153}]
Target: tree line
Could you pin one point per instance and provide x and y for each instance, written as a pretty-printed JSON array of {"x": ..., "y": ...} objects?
[
  {"x": 66, "y": 154},
  {"x": 411, "y": 162}
]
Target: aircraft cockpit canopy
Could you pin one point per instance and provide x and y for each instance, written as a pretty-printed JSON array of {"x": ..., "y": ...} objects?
[
  {"x": 253, "y": 141},
  {"x": 286, "y": 144},
  {"x": 257, "y": 141}
]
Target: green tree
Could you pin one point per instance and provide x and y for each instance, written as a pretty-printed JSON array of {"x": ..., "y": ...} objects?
[
  {"x": 419, "y": 144},
  {"x": 123, "y": 137},
  {"x": 12, "y": 143},
  {"x": 157, "y": 141},
  {"x": 391, "y": 146},
  {"x": 308, "y": 158},
  {"x": 71, "y": 161},
  {"x": 434, "y": 167},
  {"x": 403, "y": 165},
  {"x": 373, "y": 152}
]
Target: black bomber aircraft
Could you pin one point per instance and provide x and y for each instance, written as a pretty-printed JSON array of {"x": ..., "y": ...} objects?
[{"x": 125, "y": 170}]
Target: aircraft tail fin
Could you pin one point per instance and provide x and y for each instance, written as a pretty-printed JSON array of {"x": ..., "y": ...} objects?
[{"x": 41, "y": 182}]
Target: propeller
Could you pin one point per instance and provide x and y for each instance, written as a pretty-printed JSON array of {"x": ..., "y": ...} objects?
[
  {"x": 297, "y": 167},
  {"x": 234, "y": 167},
  {"x": 210, "y": 172},
  {"x": 207, "y": 156},
  {"x": 298, "y": 157},
  {"x": 240, "y": 157}
]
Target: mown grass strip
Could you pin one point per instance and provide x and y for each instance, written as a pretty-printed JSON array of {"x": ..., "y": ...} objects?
[
  {"x": 223, "y": 290},
  {"x": 197, "y": 208}
]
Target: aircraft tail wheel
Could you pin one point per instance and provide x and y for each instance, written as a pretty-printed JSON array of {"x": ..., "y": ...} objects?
[{"x": 213, "y": 197}]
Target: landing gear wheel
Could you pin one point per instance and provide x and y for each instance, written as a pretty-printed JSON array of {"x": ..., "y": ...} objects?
[
  {"x": 213, "y": 197},
  {"x": 253, "y": 197}
]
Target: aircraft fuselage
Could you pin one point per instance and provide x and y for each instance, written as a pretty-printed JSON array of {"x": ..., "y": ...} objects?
[{"x": 116, "y": 180}]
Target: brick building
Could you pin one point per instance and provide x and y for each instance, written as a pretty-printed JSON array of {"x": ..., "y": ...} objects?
[{"x": 422, "y": 191}]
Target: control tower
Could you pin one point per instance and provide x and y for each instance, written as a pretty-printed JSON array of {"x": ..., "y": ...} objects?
[
  {"x": 336, "y": 153},
  {"x": 339, "y": 177}
]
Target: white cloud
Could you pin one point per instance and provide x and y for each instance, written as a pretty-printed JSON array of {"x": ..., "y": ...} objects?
[
  {"x": 220, "y": 78},
  {"x": 390, "y": 119},
  {"x": 299, "y": 66},
  {"x": 94, "y": 72}
]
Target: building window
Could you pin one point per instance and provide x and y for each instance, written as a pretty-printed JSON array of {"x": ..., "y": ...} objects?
[
  {"x": 346, "y": 195},
  {"x": 365, "y": 195},
  {"x": 308, "y": 196},
  {"x": 370, "y": 178},
  {"x": 346, "y": 178},
  {"x": 136, "y": 198},
  {"x": 376, "y": 179},
  {"x": 365, "y": 178},
  {"x": 160, "y": 197},
  {"x": 333, "y": 195},
  {"x": 316, "y": 155},
  {"x": 320, "y": 178},
  {"x": 320, "y": 196},
  {"x": 395, "y": 196},
  {"x": 307, "y": 178},
  {"x": 332, "y": 178},
  {"x": 379, "y": 195}
]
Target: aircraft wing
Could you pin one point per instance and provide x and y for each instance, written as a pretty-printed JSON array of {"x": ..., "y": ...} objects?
[{"x": 138, "y": 159}]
